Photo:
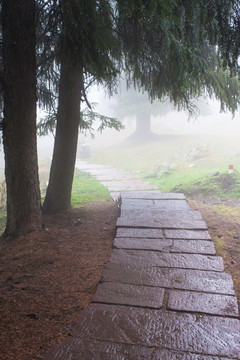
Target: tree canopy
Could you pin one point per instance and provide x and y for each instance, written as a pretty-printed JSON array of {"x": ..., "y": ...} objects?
[
  {"x": 175, "y": 49},
  {"x": 179, "y": 48}
]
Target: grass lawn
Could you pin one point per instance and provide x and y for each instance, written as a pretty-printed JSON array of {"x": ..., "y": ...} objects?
[{"x": 85, "y": 189}]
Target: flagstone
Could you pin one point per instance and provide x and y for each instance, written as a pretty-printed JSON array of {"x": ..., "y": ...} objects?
[
  {"x": 187, "y": 234},
  {"x": 143, "y": 244},
  {"x": 211, "y": 335},
  {"x": 214, "y": 304},
  {"x": 195, "y": 280},
  {"x": 139, "y": 232},
  {"x": 125, "y": 294}
]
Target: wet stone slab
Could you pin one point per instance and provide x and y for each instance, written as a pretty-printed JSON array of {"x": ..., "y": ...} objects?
[
  {"x": 125, "y": 294},
  {"x": 85, "y": 349},
  {"x": 128, "y": 185},
  {"x": 203, "y": 334},
  {"x": 201, "y": 302},
  {"x": 164, "y": 354},
  {"x": 195, "y": 280},
  {"x": 161, "y": 223},
  {"x": 114, "y": 175},
  {"x": 154, "y": 215},
  {"x": 194, "y": 247},
  {"x": 143, "y": 244},
  {"x": 187, "y": 234},
  {"x": 97, "y": 172},
  {"x": 139, "y": 259},
  {"x": 152, "y": 195},
  {"x": 85, "y": 166},
  {"x": 147, "y": 204},
  {"x": 139, "y": 233},
  {"x": 166, "y": 245}
]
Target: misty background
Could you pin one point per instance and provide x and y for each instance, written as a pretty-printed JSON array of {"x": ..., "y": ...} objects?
[{"x": 216, "y": 132}]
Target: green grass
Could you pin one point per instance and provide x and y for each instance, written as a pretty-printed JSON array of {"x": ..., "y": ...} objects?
[
  {"x": 145, "y": 157},
  {"x": 171, "y": 164},
  {"x": 178, "y": 179},
  {"x": 175, "y": 173},
  {"x": 195, "y": 180},
  {"x": 222, "y": 186},
  {"x": 86, "y": 189}
]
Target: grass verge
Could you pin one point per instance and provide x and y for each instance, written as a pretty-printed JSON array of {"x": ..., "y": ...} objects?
[{"x": 85, "y": 189}]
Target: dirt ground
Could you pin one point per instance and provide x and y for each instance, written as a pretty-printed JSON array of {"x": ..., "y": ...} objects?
[
  {"x": 224, "y": 228},
  {"x": 46, "y": 278}
]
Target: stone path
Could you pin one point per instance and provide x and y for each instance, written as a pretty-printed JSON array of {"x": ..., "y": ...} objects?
[
  {"x": 163, "y": 294},
  {"x": 116, "y": 180}
]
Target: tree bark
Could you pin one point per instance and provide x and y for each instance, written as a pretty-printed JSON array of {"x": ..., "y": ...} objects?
[
  {"x": 58, "y": 196},
  {"x": 143, "y": 125},
  {"x": 19, "y": 128}
]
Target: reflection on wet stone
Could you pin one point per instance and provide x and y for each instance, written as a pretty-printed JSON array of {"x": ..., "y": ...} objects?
[
  {"x": 128, "y": 204},
  {"x": 206, "y": 303},
  {"x": 85, "y": 349},
  {"x": 205, "y": 281},
  {"x": 160, "y": 215},
  {"x": 164, "y": 354},
  {"x": 156, "y": 195},
  {"x": 163, "y": 294},
  {"x": 164, "y": 222},
  {"x": 143, "y": 244},
  {"x": 115, "y": 293},
  {"x": 142, "y": 259},
  {"x": 177, "y": 331},
  {"x": 139, "y": 233}
]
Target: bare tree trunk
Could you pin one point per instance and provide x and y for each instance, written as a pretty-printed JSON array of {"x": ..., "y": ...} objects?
[
  {"x": 19, "y": 130},
  {"x": 143, "y": 125},
  {"x": 59, "y": 190}
]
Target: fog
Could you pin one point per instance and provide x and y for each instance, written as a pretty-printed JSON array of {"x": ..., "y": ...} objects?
[
  {"x": 214, "y": 125},
  {"x": 209, "y": 122}
]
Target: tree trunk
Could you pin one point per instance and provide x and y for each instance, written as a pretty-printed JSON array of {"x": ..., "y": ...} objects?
[
  {"x": 19, "y": 128},
  {"x": 59, "y": 190},
  {"x": 143, "y": 125}
]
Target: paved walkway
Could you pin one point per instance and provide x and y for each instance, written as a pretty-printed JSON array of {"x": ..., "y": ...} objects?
[
  {"x": 116, "y": 180},
  {"x": 163, "y": 295}
]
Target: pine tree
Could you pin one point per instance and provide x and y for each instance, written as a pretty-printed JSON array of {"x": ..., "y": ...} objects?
[
  {"x": 19, "y": 125},
  {"x": 178, "y": 49},
  {"x": 171, "y": 49},
  {"x": 87, "y": 46},
  {"x": 129, "y": 102},
  {"x": 165, "y": 47}
]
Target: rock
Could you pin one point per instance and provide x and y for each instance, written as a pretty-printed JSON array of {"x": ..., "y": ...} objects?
[{"x": 215, "y": 173}]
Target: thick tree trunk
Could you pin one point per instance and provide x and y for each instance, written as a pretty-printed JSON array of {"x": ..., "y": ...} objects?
[
  {"x": 143, "y": 125},
  {"x": 19, "y": 129},
  {"x": 59, "y": 189}
]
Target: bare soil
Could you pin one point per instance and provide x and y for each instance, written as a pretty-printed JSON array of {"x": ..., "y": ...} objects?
[
  {"x": 224, "y": 229},
  {"x": 47, "y": 277}
]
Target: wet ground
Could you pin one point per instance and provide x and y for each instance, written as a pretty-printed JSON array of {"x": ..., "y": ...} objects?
[{"x": 164, "y": 293}]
